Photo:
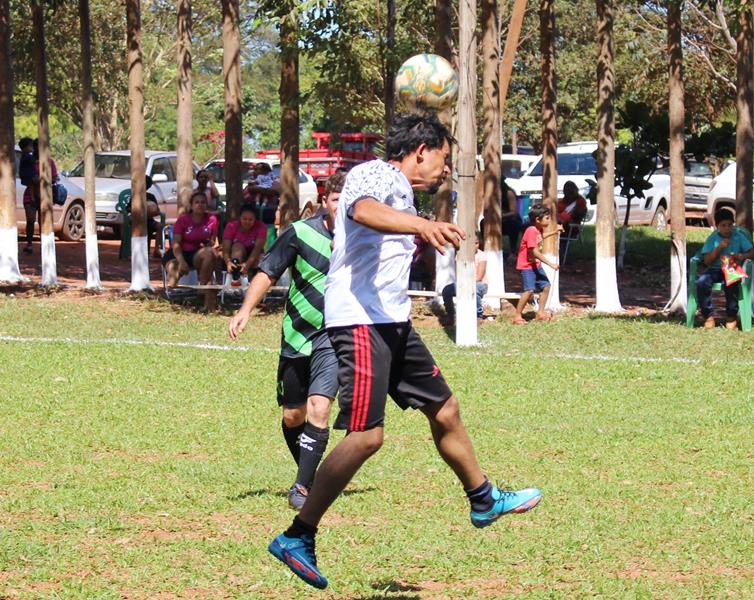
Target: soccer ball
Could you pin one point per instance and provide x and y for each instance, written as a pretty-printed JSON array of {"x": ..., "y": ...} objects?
[{"x": 426, "y": 81}]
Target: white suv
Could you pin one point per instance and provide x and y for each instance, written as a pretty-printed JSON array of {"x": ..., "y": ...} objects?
[
  {"x": 113, "y": 175},
  {"x": 722, "y": 193},
  {"x": 576, "y": 163}
]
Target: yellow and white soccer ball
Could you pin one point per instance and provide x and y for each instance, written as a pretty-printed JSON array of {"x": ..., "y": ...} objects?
[{"x": 426, "y": 81}]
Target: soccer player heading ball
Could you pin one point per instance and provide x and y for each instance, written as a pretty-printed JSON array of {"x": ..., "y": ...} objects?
[{"x": 367, "y": 316}]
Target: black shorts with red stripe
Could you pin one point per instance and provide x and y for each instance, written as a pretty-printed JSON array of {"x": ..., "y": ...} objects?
[{"x": 377, "y": 360}]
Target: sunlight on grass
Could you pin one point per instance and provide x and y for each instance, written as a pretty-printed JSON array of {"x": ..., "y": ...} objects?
[{"x": 146, "y": 471}]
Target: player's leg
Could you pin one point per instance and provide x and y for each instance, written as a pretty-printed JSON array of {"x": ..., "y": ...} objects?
[
  {"x": 323, "y": 387},
  {"x": 363, "y": 368},
  {"x": 421, "y": 385},
  {"x": 293, "y": 381}
]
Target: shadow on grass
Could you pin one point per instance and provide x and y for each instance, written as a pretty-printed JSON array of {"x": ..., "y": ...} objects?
[
  {"x": 284, "y": 493},
  {"x": 654, "y": 318},
  {"x": 391, "y": 586}
]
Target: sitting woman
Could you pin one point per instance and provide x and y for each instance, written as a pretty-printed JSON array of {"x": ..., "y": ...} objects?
[
  {"x": 243, "y": 242},
  {"x": 194, "y": 241},
  {"x": 572, "y": 207}
]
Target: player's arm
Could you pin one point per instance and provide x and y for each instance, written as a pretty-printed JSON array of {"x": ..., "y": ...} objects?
[
  {"x": 379, "y": 216},
  {"x": 258, "y": 287}
]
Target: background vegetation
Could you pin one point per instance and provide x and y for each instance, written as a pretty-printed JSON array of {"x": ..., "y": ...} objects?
[{"x": 343, "y": 60}]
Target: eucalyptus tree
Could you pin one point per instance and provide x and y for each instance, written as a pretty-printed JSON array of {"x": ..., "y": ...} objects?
[
  {"x": 87, "y": 113},
  {"x": 184, "y": 110},
  {"x": 47, "y": 236},
  {"x": 606, "y": 280},
  {"x": 9, "y": 270},
  {"x": 139, "y": 238},
  {"x": 677, "y": 170},
  {"x": 231, "y": 36},
  {"x": 549, "y": 138},
  {"x": 491, "y": 146}
]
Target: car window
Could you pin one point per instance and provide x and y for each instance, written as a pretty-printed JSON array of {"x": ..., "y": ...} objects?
[
  {"x": 161, "y": 166},
  {"x": 174, "y": 166},
  {"x": 511, "y": 169},
  {"x": 302, "y": 177},
  {"x": 570, "y": 164},
  {"x": 108, "y": 166},
  {"x": 699, "y": 169}
]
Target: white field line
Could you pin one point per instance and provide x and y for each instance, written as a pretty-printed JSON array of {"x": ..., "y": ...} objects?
[{"x": 485, "y": 352}]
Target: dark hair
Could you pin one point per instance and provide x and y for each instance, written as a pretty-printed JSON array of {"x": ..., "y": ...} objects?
[
  {"x": 265, "y": 168},
  {"x": 724, "y": 214},
  {"x": 248, "y": 207},
  {"x": 201, "y": 172},
  {"x": 148, "y": 182},
  {"x": 538, "y": 212},
  {"x": 411, "y": 130},
  {"x": 25, "y": 141},
  {"x": 334, "y": 183}
]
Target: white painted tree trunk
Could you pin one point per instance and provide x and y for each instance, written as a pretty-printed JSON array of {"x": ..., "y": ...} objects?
[
  {"x": 553, "y": 299},
  {"x": 49, "y": 262},
  {"x": 9, "y": 271},
  {"x": 139, "y": 264},
  {"x": 608, "y": 300}
]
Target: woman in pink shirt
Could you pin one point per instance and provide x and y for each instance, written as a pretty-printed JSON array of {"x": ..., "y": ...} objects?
[
  {"x": 194, "y": 242},
  {"x": 243, "y": 242}
]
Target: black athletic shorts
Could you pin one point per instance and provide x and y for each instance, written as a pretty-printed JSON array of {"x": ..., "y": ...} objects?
[
  {"x": 301, "y": 377},
  {"x": 377, "y": 360}
]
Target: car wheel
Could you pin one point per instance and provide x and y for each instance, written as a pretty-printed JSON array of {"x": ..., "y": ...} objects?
[
  {"x": 660, "y": 220},
  {"x": 73, "y": 223},
  {"x": 307, "y": 212}
]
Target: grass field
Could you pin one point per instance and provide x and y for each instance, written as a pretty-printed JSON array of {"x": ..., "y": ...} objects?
[{"x": 134, "y": 464}]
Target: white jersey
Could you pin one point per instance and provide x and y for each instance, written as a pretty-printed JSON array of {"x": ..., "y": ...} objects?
[{"x": 368, "y": 278}]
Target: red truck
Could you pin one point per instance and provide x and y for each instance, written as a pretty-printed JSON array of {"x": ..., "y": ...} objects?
[{"x": 329, "y": 155}]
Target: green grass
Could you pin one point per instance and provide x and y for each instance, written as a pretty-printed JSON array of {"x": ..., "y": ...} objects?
[{"x": 155, "y": 471}]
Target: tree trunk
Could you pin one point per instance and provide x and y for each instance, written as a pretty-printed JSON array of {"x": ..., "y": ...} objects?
[
  {"x": 492, "y": 147},
  {"x": 511, "y": 45},
  {"x": 289, "y": 122},
  {"x": 233, "y": 124},
  {"x": 184, "y": 125},
  {"x": 389, "y": 65},
  {"x": 47, "y": 237},
  {"x": 605, "y": 273},
  {"x": 139, "y": 239},
  {"x": 87, "y": 110},
  {"x": 549, "y": 141},
  {"x": 466, "y": 323},
  {"x": 443, "y": 205},
  {"x": 744, "y": 107},
  {"x": 676, "y": 107},
  {"x": 9, "y": 270}
]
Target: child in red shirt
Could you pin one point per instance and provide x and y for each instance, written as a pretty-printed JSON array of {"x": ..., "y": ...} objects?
[{"x": 529, "y": 263}]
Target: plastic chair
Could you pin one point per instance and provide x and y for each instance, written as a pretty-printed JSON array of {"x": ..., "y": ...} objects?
[
  {"x": 123, "y": 207},
  {"x": 744, "y": 289},
  {"x": 572, "y": 233}
]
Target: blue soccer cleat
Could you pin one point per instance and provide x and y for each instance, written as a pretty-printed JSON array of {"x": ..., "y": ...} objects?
[
  {"x": 298, "y": 554},
  {"x": 506, "y": 502}
]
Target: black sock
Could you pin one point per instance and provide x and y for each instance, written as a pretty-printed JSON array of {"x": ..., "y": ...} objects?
[
  {"x": 312, "y": 445},
  {"x": 481, "y": 497},
  {"x": 298, "y": 528},
  {"x": 291, "y": 439},
  {"x": 29, "y": 232}
]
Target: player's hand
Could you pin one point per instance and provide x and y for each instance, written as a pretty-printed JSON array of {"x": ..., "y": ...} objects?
[
  {"x": 237, "y": 325},
  {"x": 439, "y": 233}
]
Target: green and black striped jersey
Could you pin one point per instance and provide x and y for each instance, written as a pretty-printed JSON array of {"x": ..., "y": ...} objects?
[{"x": 305, "y": 248}]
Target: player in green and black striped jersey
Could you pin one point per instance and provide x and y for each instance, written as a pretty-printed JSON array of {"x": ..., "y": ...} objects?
[{"x": 308, "y": 369}]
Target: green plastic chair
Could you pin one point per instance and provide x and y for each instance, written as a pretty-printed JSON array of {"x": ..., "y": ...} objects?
[
  {"x": 744, "y": 291},
  {"x": 124, "y": 202}
]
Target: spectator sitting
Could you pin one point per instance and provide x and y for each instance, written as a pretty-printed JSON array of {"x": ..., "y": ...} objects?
[
  {"x": 27, "y": 174},
  {"x": 449, "y": 291},
  {"x": 206, "y": 185},
  {"x": 572, "y": 208},
  {"x": 726, "y": 239},
  {"x": 194, "y": 240},
  {"x": 243, "y": 242},
  {"x": 153, "y": 213}
]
